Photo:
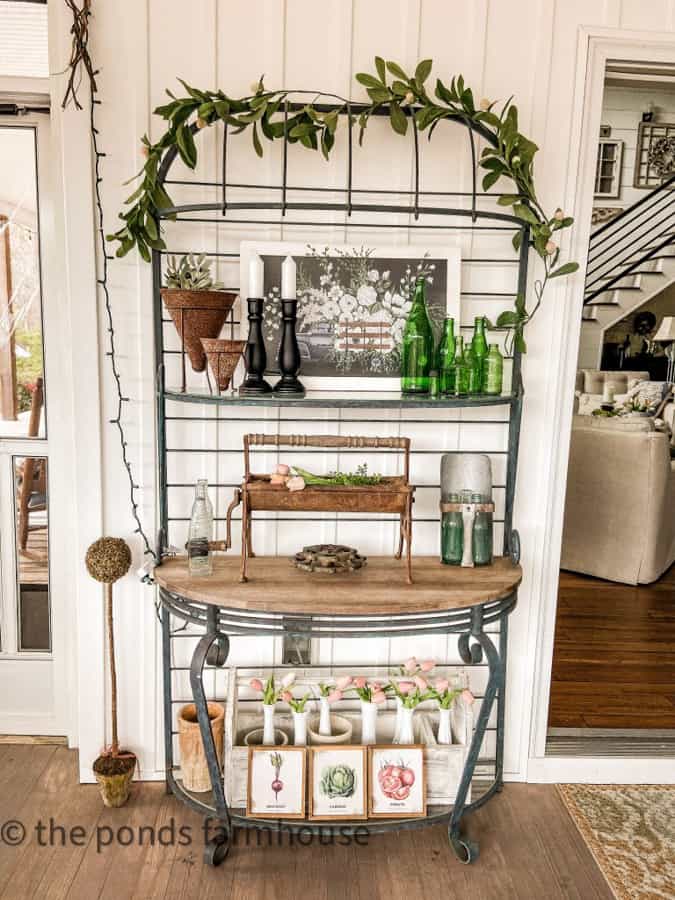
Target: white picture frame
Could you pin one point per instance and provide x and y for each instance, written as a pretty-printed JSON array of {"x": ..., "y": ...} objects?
[
  {"x": 349, "y": 803},
  {"x": 264, "y": 800},
  {"x": 401, "y": 792},
  {"x": 327, "y": 341}
]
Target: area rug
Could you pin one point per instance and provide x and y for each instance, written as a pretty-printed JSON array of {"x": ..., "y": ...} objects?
[{"x": 630, "y": 830}]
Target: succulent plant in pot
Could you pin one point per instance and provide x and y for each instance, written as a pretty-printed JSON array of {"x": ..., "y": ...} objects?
[{"x": 197, "y": 304}]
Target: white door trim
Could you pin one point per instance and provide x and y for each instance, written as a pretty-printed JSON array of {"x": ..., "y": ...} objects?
[{"x": 595, "y": 47}]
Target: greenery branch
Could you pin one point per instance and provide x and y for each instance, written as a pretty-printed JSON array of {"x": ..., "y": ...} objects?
[{"x": 269, "y": 115}]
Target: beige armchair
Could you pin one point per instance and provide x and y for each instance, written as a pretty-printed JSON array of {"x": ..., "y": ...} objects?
[{"x": 620, "y": 506}]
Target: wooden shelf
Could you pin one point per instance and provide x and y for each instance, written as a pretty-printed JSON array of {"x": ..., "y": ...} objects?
[
  {"x": 276, "y": 586},
  {"x": 345, "y": 400}
]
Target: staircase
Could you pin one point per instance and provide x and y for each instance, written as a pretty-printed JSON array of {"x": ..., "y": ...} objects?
[{"x": 631, "y": 258}]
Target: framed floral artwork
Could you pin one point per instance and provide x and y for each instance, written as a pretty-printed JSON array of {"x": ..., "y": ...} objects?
[
  {"x": 276, "y": 782},
  {"x": 353, "y": 302},
  {"x": 397, "y": 782},
  {"x": 337, "y": 782}
]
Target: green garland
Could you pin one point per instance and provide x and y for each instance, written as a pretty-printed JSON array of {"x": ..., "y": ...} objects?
[{"x": 510, "y": 155}]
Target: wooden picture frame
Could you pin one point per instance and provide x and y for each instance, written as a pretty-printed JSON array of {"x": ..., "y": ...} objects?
[
  {"x": 404, "y": 807},
  {"x": 271, "y": 809},
  {"x": 335, "y": 752}
]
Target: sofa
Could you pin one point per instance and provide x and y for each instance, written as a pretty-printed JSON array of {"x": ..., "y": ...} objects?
[
  {"x": 592, "y": 381},
  {"x": 620, "y": 506}
]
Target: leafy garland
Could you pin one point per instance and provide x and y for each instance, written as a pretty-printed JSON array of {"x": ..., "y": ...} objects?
[{"x": 509, "y": 155}]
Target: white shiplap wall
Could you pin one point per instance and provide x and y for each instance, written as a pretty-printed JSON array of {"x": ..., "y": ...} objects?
[{"x": 525, "y": 47}]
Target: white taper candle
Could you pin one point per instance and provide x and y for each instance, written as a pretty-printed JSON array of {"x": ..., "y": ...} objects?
[{"x": 288, "y": 276}]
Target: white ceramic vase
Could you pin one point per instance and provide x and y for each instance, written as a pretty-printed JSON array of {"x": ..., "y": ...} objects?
[
  {"x": 368, "y": 722},
  {"x": 397, "y": 720},
  {"x": 405, "y": 734},
  {"x": 324, "y": 717},
  {"x": 444, "y": 731},
  {"x": 268, "y": 724},
  {"x": 300, "y": 728}
]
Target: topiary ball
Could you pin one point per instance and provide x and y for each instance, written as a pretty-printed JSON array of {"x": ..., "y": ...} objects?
[{"x": 108, "y": 559}]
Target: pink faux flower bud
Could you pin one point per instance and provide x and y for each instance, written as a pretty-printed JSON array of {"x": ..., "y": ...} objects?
[
  {"x": 421, "y": 683},
  {"x": 558, "y": 215},
  {"x": 467, "y": 696},
  {"x": 256, "y": 684},
  {"x": 375, "y": 686},
  {"x": 441, "y": 685},
  {"x": 286, "y": 696},
  {"x": 282, "y": 469},
  {"x": 485, "y": 104},
  {"x": 427, "y": 665},
  {"x": 296, "y": 483},
  {"x": 343, "y": 682},
  {"x": 379, "y": 697},
  {"x": 334, "y": 696},
  {"x": 360, "y": 682},
  {"x": 405, "y": 687},
  {"x": 551, "y": 247},
  {"x": 275, "y": 478},
  {"x": 410, "y": 665}
]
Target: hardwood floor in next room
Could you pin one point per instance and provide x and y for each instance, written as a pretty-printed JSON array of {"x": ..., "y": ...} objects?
[{"x": 614, "y": 654}]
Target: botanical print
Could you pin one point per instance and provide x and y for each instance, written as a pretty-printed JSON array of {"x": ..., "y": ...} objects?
[
  {"x": 276, "y": 782},
  {"x": 338, "y": 782},
  {"x": 397, "y": 781},
  {"x": 353, "y": 303}
]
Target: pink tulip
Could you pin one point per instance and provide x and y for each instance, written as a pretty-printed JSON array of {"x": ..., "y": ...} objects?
[
  {"x": 427, "y": 665},
  {"x": 379, "y": 697},
  {"x": 375, "y": 686},
  {"x": 334, "y": 696},
  {"x": 282, "y": 469},
  {"x": 278, "y": 479},
  {"x": 256, "y": 684},
  {"x": 441, "y": 685},
  {"x": 410, "y": 665},
  {"x": 467, "y": 696},
  {"x": 405, "y": 687},
  {"x": 296, "y": 483},
  {"x": 343, "y": 682},
  {"x": 360, "y": 682},
  {"x": 421, "y": 683},
  {"x": 286, "y": 696}
]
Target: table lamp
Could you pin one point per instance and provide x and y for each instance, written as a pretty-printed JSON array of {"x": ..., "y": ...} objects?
[{"x": 666, "y": 334}]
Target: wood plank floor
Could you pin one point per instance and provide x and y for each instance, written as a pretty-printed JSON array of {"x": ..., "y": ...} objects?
[
  {"x": 614, "y": 654},
  {"x": 530, "y": 849}
]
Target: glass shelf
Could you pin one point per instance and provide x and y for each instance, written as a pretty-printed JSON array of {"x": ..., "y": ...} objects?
[{"x": 344, "y": 400}]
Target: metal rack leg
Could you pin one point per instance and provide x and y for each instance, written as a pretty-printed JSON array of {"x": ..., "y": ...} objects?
[
  {"x": 217, "y": 848},
  {"x": 466, "y": 849}
]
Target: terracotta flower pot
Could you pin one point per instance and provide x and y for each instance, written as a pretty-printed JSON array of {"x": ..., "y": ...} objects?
[
  {"x": 223, "y": 357},
  {"x": 114, "y": 774},
  {"x": 192, "y": 757},
  {"x": 196, "y": 315}
]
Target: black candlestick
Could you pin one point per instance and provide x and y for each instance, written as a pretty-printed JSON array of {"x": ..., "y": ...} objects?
[
  {"x": 289, "y": 353},
  {"x": 255, "y": 356}
]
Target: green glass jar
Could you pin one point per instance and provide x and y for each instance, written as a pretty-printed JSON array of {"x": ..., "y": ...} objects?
[
  {"x": 417, "y": 346},
  {"x": 461, "y": 370},
  {"x": 445, "y": 358},
  {"x": 474, "y": 372},
  {"x": 481, "y": 537},
  {"x": 452, "y": 535},
  {"x": 493, "y": 371},
  {"x": 479, "y": 346}
]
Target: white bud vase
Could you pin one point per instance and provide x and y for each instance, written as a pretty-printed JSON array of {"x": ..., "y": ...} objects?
[
  {"x": 324, "y": 717},
  {"x": 268, "y": 725},
  {"x": 368, "y": 722},
  {"x": 444, "y": 731},
  {"x": 405, "y": 729},
  {"x": 397, "y": 721},
  {"x": 300, "y": 728}
]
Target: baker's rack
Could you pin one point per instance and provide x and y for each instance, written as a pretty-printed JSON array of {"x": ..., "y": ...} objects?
[{"x": 482, "y": 629}]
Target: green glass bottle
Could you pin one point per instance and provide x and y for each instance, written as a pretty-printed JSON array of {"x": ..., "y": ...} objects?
[
  {"x": 452, "y": 536},
  {"x": 481, "y": 536},
  {"x": 474, "y": 372},
  {"x": 445, "y": 358},
  {"x": 461, "y": 370},
  {"x": 493, "y": 371},
  {"x": 479, "y": 346},
  {"x": 417, "y": 346}
]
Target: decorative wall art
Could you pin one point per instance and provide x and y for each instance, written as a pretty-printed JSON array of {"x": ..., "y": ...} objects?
[
  {"x": 276, "y": 782},
  {"x": 397, "y": 783},
  {"x": 655, "y": 154},
  {"x": 352, "y": 305},
  {"x": 337, "y": 782}
]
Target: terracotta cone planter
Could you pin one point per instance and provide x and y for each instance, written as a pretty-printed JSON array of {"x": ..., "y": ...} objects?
[
  {"x": 192, "y": 757},
  {"x": 223, "y": 357},
  {"x": 196, "y": 315},
  {"x": 114, "y": 774}
]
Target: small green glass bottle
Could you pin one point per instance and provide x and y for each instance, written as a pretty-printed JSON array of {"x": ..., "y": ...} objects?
[
  {"x": 479, "y": 346},
  {"x": 474, "y": 372},
  {"x": 481, "y": 537},
  {"x": 461, "y": 370},
  {"x": 445, "y": 361},
  {"x": 493, "y": 371},
  {"x": 452, "y": 536},
  {"x": 417, "y": 346}
]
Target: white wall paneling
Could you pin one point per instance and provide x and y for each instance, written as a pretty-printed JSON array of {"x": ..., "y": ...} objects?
[{"x": 527, "y": 47}]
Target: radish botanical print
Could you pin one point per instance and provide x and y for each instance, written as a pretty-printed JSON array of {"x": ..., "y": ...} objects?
[{"x": 277, "y": 784}]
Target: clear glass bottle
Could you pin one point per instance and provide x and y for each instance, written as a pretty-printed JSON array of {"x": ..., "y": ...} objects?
[
  {"x": 452, "y": 535},
  {"x": 417, "y": 345},
  {"x": 461, "y": 370},
  {"x": 481, "y": 538},
  {"x": 201, "y": 531},
  {"x": 493, "y": 371},
  {"x": 479, "y": 346},
  {"x": 445, "y": 361}
]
